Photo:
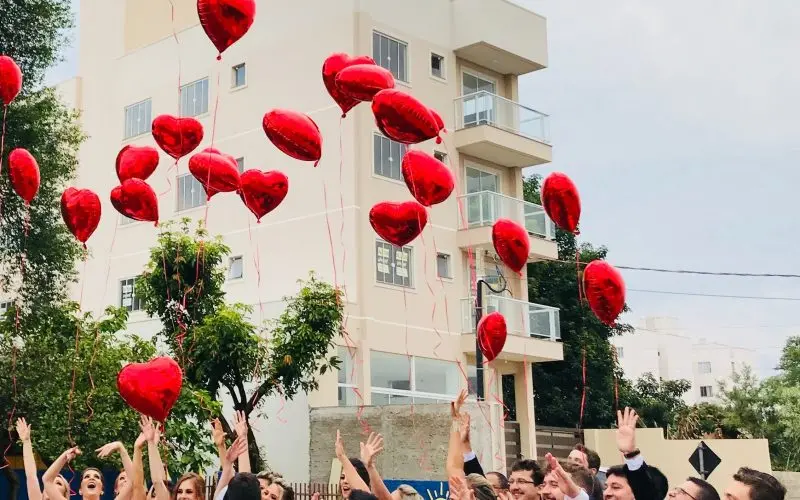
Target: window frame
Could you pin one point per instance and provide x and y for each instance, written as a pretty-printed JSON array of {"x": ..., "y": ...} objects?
[
  {"x": 708, "y": 389},
  {"x": 240, "y": 164},
  {"x": 149, "y": 123},
  {"x": 449, "y": 265},
  {"x": 183, "y": 112},
  {"x": 230, "y": 265},
  {"x": 393, "y": 249},
  {"x": 412, "y": 393},
  {"x": 407, "y": 62},
  {"x": 442, "y": 78},
  {"x": 437, "y": 153},
  {"x": 133, "y": 294},
  {"x": 701, "y": 367},
  {"x": 243, "y": 65},
  {"x": 178, "y": 209},
  {"x": 375, "y": 174},
  {"x": 343, "y": 352}
]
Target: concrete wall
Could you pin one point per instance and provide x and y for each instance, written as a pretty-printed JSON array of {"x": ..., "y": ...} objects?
[
  {"x": 792, "y": 482},
  {"x": 672, "y": 456},
  {"x": 415, "y": 438}
]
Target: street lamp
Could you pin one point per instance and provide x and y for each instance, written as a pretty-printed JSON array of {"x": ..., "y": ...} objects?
[{"x": 478, "y": 316}]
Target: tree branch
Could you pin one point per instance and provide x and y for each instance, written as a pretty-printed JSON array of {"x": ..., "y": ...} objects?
[
  {"x": 264, "y": 389},
  {"x": 242, "y": 393},
  {"x": 233, "y": 393}
]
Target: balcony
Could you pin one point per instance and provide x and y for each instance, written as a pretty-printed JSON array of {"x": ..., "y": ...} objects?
[
  {"x": 519, "y": 47},
  {"x": 483, "y": 208},
  {"x": 501, "y": 131},
  {"x": 533, "y": 329}
]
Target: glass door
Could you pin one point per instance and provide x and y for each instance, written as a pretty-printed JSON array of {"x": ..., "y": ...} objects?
[
  {"x": 482, "y": 208},
  {"x": 479, "y": 99}
]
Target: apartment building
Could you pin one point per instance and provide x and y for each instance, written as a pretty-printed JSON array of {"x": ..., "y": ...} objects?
[
  {"x": 659, "y": 346},
  {"x": 141, "y": 58}
]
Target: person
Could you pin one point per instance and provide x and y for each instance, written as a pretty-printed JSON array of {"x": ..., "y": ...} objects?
[
  {"x": 750, "y": 484},
  {"x": 481, "y": 487},
  {"x": 584, "y": 457},
  {"x": 244, "y": 486},
  {"x": 694, "y": 489},
  {"x": 566, "y": 480},
  {"x": 354, "y": 473},
  {"x": 498, "y": 481},
  {"x": 578, "y": 456},
  {"x": 29, "y": 462},
  {"x": 631, "y": 481},
  {"x": 190, "y": 486},
  {"x": 91, "y": 487},
  {"x": 525, "y": 479},
  {"x": 123, "y": 484}
]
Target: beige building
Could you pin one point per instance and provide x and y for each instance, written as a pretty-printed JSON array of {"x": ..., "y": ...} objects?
[{"x": 461, "y": 57}]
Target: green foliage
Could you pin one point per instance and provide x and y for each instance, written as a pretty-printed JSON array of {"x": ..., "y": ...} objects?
[
  {"x": 657, "y": 401},
  {"x": 703, "y": 421},
  {"x": 559, "y": 385}
]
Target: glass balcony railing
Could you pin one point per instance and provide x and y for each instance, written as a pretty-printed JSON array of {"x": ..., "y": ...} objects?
[
  {"x": 485, "y": 108},
  {"x": 522, "y": 318},
  {"x": 485, "y": 207}
]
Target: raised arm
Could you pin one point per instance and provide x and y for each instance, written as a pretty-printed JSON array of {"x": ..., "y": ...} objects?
[
  {"x": 238, "y": 447},
  {"x": 370, "y": 451},
  {"x": 138, "y": 491},
  {"x": 50, "y": 475},
  {"x": 459, "y": 427},
  {"x": 152, "y": 435},
  {"x": 640, "y": 481},
  {"x": 240, "y": 424},
  {"x": 31, "y": 478},
  {"x": 349, "y": 471},
  {"x": 127, "y": 465}
]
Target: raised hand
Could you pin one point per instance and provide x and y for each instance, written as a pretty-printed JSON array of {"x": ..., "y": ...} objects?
[
  {"x": 463, "y": 427},
  {"x": 238, "y": 447},
  {"x": 626, "y": 430},
  {"x": 459, "y": 489},
  {"x": 217, "y": 433},
  {"x": 23, "y": 430},
  {"x": 370, "y": 450},
  {"x": 339, "y": 445},
  {"x": 455, "y": 406},
  {"x": 71, "y": 454},
  {"x": 149, "y": 430},
  {"x": 240, "y": 424},
  {"x": 106, "y": 450},
  {"x": 565, "y": 482}
]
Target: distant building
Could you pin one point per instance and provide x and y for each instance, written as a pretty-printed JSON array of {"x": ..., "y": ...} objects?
[{"x": 660, "y": 347}]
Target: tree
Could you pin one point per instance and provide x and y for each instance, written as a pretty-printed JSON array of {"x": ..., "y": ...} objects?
[
  {"x": 558, "y": 386},
  {"x": 658, "y": 401},
  {"x": 219, "y": 346},
  {"x": 703, "y": 421}
]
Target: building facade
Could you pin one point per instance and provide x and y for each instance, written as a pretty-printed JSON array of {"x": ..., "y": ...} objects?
[
  {"x": 410, "y": 319},
  {"x": 660, "y": 347}
]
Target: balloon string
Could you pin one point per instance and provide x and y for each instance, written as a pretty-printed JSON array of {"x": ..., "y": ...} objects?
[
  {"x": 168, "y": 174},
  {"x": 77, "y": 351},
  {"x": 578, "y": 273},
  {"x": 583, "y": 395},
  {"x": 2, "y": 153},
  {"x": 216, "y": 107},
  {"x": 330, "y": 234},
  {"x": 257, "y": 264}
]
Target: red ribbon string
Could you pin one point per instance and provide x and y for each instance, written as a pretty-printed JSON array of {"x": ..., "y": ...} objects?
[{"x": 583, "y": 396}]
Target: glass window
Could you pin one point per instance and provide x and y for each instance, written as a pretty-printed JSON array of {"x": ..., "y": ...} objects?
[
  {"x": 124, "y": 221},
  {"x": 478, "y": 107},
  {"x": 435, "y": 376},
  {"x": 5, "y": 306},
  {"x": 437, "y": 65},
  {"x": 400, "y": 379},
  {"x": 704, "y": 367},
  {"x": 240, "y": 164},
  {"x": 190, "y": 193},
  {"x": 194, "y": 98},
  {"x": 620, "y": 352},
  {"x": 127, "y": 295},
  {"x": 395, "y": 266},
  {"x": 388, "y": 157},
  {"x": 391, "y": 54},
  {"x": 138, "y": 118},
  {"x": 390, "y": 371},
  {"x": 235, "y": 267},
  {"x": 442, "y": 157},
  {"x": 706, "y": 391},
  {"x": 483, "y": 208},
  {"x": 238, "y": 76},
  {"x": 443, "y": 266},
  {"x": 346, "y": 381}
]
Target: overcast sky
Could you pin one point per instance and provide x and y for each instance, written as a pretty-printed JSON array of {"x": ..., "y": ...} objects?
[{"x": 679, "y": 122}]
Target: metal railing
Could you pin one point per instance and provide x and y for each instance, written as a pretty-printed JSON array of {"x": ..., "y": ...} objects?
[
  {"x": 524, "y": 319},
  {"x": 485, "y": 108},
  {"x": 485, "y": 207}
]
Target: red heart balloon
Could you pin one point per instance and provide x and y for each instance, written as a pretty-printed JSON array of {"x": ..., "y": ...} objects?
[
  {"x": 331, "y": 68},
  {"x": 81, "y": 211},
  {"x": 561, "y": 201},
  {"x": 403, "y": 118},
  {"x": 262, "y": 192},
  {"x": 136, "y": 200},
  {"x": 605, "y": 290},
  {"x": 398, "y": 223},
  {"x": 151, "y": 388},
  {"x": 294, "y": 133},
  {"x": 24, "y": 174},
  {"x": 10, "y": 80},
  {"x": 226, "y": 21},
  {"x": 362, "y": 81},
  {"x": 428, "y": 179},
  {"x": 439, "y": 122},
  {"x": 492, "y": 333},
  {"x": 177, "y": 136},
  {"x": 136, "y": 162},
  {"x": 217, "y": 172},
  {"x": 511, "y": 243}
]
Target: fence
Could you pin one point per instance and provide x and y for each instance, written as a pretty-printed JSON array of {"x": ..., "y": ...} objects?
[{"x": 556, "y": 440}]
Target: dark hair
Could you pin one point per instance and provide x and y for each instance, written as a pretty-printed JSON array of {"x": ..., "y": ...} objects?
[
  {"x": 617, "y": 470},
  {"x": 762, "y": 485},
  {"x": 501, "y": 478},
  {"x": 244, "y": 486},
  {"x": 360, "y": 494},
  {"x": 288, "y": 493},
  {"x": 707, "y": 492},
  {"x": 361, "y": 469},
  {"x": 532, "y": 466},
  {"x": 659, "y": 480},
  {"x": 593, "y": 458},
  {"x": 580, "y": 475}
]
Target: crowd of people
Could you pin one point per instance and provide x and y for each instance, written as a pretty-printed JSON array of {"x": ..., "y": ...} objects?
[{"x": 579, "y": 477}]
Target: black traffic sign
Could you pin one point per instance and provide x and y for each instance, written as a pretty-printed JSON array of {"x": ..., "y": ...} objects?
[{"x": 704, "y": 460}]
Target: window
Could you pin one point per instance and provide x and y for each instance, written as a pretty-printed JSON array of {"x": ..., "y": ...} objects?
[
  {"x": 704, "y": 367},
  {"x": 620, "y": 352},
  {"x": 347, "y": 382},
  {"x": 482, "y": 208},
  {"x": 706, "y": 391},
  {"x": 479, "y": 100},
  {"x": 190, "y": 193},
  {"x": 235, "y": 268},
  {"x": 138, "y": 118},
  {"x": 391, "y": 54},
  {"x": 437, "y": 66},
  {"x": 5, "y": 306},
  {"x": 442, "y": 157},
  {"x": 444, "y": 269},
  {"x": 238, "y": 76},
  {"x": 194, "y": 98},
  {"x": 127, "y": 295},
  {"x": 388, "y": 157},
  {"x": 124, "y": 221},
  {"x": 240, "y": 164},
  {"x": 400, "y": 379},
  {"x": 394, "y": 265}
]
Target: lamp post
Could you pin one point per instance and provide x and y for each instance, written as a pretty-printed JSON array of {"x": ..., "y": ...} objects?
[{"x": 478, "y": 316}]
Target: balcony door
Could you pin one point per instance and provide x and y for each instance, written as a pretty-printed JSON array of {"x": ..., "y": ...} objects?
[
  {"x": 479, "y": 105},
  {"x": 482, "y": 208}
]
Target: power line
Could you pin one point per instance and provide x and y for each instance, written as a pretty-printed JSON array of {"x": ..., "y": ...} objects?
[
  {"x": 715, "y": 295},
  {"x": 691, "y": 271}
]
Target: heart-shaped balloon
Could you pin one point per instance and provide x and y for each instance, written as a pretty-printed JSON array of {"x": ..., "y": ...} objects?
[
  {"x": 296, "y": 134},
  {"x": 177, "y": 136},
  {"x": 136, "y": 200},
  {"x": 24, "y": 174},
  {"x": 217, "y": 172},
  {"x": 605, "y": 290},
  {"x": 492, "y": 333},
  {"x": 136, "y": 162},
  {"x": 403, "y": 118},
  {"x": 362, "y": 81},
  {"x": 81, "y": 211},
  {"x": 439, "y": 122},
  {"x": 561, "y": 201},
  {"x": 151, "y": 388},
  {"x": 10, "y": 80},
  {"x": 331, "y": 68},
  {"x": 262, "y": 192},
  {"x": 398, "y": 223},
  {"x": 428, "y": 179},
  {"x": 226, "y": 21},
  {"x": 511, "y": 242}
]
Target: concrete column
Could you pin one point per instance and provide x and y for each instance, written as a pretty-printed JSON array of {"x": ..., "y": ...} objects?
[{"x": 523, "y": 389}]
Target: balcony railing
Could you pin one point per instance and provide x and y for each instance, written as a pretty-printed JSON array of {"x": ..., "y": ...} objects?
[
  {"x": 485, "y": 207},
  {"x": 485, "y": 108},
  {"x": 523, "y": 318}
]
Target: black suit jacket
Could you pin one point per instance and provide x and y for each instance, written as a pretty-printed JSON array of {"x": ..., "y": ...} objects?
[
  {"x": 641, "y": 484},
  {"x": 473, "y": 466}
]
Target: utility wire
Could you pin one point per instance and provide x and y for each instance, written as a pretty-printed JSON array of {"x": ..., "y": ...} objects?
[
  {"x": 716, "y": 295},
  {"x": 689, "y": 271}
]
